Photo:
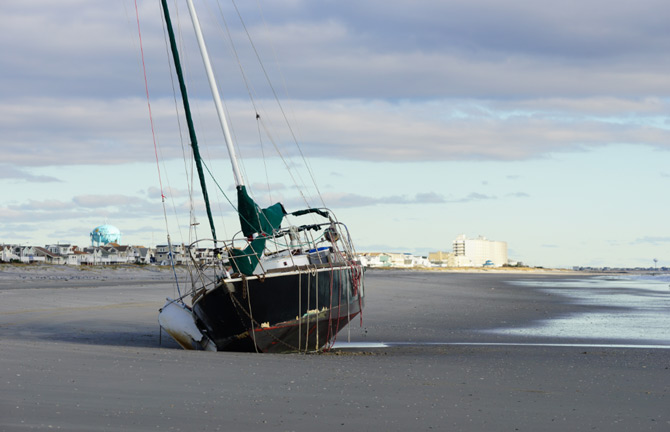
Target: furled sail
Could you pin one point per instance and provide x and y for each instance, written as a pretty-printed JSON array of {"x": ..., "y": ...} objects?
[
  {"x": 258, "y": 222},
  {"x": 255, "y": 220}
]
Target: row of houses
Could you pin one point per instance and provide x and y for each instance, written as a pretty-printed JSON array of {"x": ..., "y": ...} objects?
[
  {"x": 111, "y": 253},
  {"x": 479, "y": 252},
  {"x": 391, "y": 259},
  {"x": 73, "y": 255}
]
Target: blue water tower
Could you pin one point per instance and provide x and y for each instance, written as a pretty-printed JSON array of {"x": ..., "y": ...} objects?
[{"x": 105, "y": 234}]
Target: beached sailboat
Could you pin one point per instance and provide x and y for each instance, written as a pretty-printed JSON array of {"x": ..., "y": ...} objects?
[{"x": 275, "y": 287}]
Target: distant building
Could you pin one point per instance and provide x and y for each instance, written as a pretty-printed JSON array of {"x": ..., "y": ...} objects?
[
  {"x": 392, "y": 259},
  {"x": 479, "y": 252},
  {"x": 7, "y": 254},
  {"x": 111, "y": 253},
  {"x": 442, "y": 259},
  {"x": 375, "y": 259},
  {"x": 165, "y": 257},
  {"x": 49, "y": 257}
]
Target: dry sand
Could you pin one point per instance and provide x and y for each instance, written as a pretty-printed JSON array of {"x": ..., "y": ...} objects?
[{"x": 79, "y": 351}]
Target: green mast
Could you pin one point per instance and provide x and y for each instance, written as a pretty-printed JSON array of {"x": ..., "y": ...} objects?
[{"x": 187, "y": 111}]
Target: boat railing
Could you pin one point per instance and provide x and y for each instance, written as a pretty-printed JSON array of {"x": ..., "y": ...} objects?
[{"x": 290, "y": 247}]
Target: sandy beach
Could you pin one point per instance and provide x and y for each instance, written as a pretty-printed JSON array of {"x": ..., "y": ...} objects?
[{"x": 81, "y": 351}]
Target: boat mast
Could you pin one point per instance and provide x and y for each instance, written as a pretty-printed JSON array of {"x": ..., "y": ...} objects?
[
  {"x": 215, "y": 94},
  {"x": 187, "y": 112}
]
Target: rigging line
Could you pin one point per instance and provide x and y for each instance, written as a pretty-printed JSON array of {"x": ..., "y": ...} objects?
[
  {"x": 251, "y": 93},
  {"x": 247, "y": 83},
  {"x": 276, "y": 58},
  {"x": 309, "y": 288},
  {"x": 204, "y": 144},
  {"x": 231, "y": 127},
  {"x": 265, "y": 165},
  {"x": 237, "y": 57},
  {"x": 153, "y": 131},
  {"x": 189, "y": 186},
  {"x": 192, "y": 135},
  {"x": 300, "y": 310},
  {"x": 300, "y": 184},
  {"x": 259, "y": 214},
  {"x": 251, "y": 314},
  {"x": 288, "y": 97},
  {"x": 248, "y": 86},
  {"x": 190, "y": 173},
  {"x": 281, "y": 107},
  {"x": 160, "y": 150},
  {"x": 288, "y": 168},
  {"x": 132, "y": 36},
  {"x": 202, "y": 162},
  {"x": 226, "y": 196}
]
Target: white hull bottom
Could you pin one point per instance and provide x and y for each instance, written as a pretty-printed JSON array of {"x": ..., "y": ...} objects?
[{"x": 178, "y": 321}]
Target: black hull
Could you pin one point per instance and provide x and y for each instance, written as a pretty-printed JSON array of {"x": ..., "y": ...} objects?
[{"x": 302, "y": 309}]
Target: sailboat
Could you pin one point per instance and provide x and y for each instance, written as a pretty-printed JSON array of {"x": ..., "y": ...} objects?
[{"x": 274, "y": 287}]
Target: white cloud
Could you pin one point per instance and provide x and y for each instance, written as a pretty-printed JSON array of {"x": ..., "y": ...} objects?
[
  {"x": 653, "y": 240},
  {"x": 98, "y": 201},
  {"x": 14, "y": 173},
  {"x": 405, "y": 81},
  {"x": 54, "y": 132}
]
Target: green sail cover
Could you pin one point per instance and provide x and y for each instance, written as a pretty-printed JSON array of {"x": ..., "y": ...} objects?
[
  {"x": 254, "y": 220},
  {"x": 245, "y": 261}
]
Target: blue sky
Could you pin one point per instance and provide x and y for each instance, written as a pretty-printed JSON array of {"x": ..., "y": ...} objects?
[{"x": 546, "y": 127}]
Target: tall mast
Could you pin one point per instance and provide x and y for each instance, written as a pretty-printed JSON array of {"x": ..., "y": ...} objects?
[
  {"x": 215, "y": 94},
  {"x": 187, "y": 112}
]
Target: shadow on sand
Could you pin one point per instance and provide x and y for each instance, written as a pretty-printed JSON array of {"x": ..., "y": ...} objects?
[{"x": 92, "y": 333}]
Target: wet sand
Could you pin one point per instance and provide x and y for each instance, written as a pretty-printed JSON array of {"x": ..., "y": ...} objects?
[{"x": 80, "y": 352}]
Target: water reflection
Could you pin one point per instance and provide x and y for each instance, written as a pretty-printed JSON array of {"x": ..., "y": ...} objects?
[{"x": 639, "y": 309}]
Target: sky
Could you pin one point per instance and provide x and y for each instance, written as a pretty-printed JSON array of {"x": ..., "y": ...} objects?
[{"x": 542, "y": 125}]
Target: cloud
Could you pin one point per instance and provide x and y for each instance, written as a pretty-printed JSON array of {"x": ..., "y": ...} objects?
[
  {"x": 429, "y": 198},
  {"x": 10, "y": 172},
  {"x": 349, "y": 200},
  {"x": 169, "y": 192},
  {"x": 653, "y": 240},
  {"x": 52, "y": 133},
  {"x": 9, "y": 214},
  {"x": 261, "y": 188},
  {"x": 45, "y": 205},
  {"x": 455, "y": 130},
  {"x": 478, "y": 48},
  {"x": 98, "y": 201},
  {"x": 430, "y": 49},
  {"x": 412, "y": 81},
  {"x": 82, "y": 207},
  {"x": 474, "y": 196}
]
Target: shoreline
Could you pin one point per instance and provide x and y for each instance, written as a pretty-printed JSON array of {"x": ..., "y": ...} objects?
[
  {"x": 531, "y": 271},
  {"x": 493, "y": 270},
  {"x": 22, "y": 269}
]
